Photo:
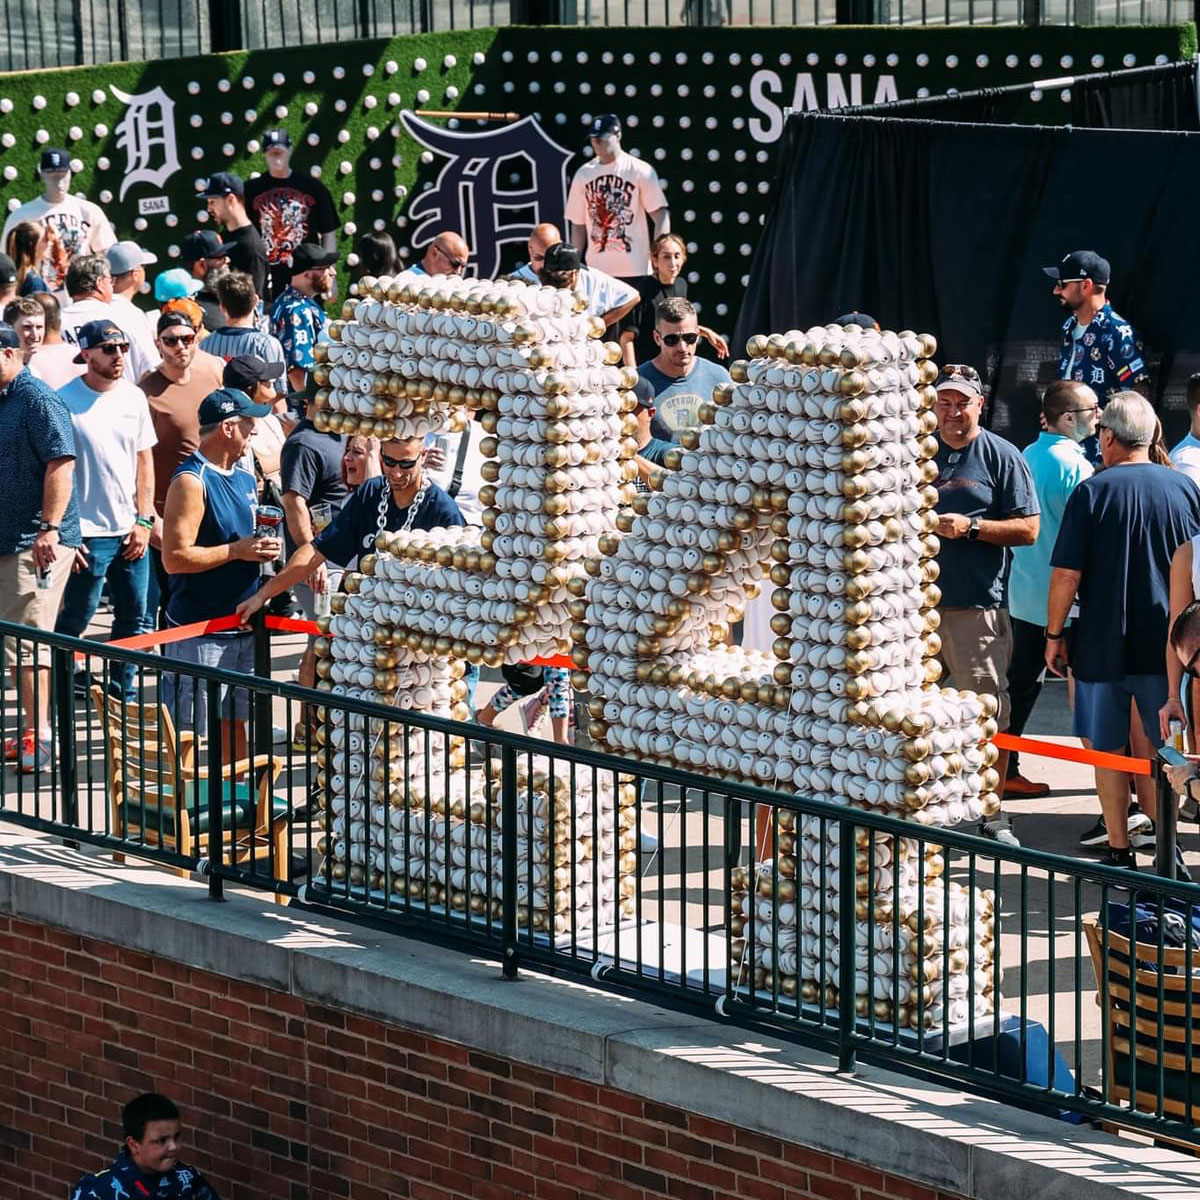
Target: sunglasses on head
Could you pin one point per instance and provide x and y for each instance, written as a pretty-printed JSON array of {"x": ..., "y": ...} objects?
[
  {"x": 673, "y": 339},
  {"x": 398, "y": 464},
  {"x": 182, "y": 339}
]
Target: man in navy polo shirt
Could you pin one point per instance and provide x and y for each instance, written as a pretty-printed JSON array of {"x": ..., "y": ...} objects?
[
  {"x": 39, "y": 531},
  {"x": 213, "y": 556}
]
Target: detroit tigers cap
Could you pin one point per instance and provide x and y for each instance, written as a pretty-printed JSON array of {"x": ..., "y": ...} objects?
[
  {"x": 277, "y": 137},
  {"x": 55, "y": 160},
  {"x": 605, "y": 125},
  {"x": 562, "y": 257},
  {"x": 99, "y": 333},
  {"x": 224, "y": 183},
  {"x": 203, "y": 243},
  {"x": 1081, "y": 264},
  {"x": 243, "y": 371},
  {"x": 228, "y": 402}
]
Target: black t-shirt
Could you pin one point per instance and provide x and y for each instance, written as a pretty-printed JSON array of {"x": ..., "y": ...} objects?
[
  {"x": 641, "y": 317},
  {"x": 247, "y": 253},
  {"x": 287, "y": 212},
  {"x": 1120, "y": 530},
  {"x": 310, "y": 465}
]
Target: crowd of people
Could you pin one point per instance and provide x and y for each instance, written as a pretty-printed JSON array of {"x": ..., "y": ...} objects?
[{"x": 142, "y": 443}]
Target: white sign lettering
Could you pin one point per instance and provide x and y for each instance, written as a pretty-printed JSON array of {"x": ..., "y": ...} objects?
[
  {"x": 840, "y": 92},
  {"x": 147, "y": 135},
  {"x": 149, "y": 206}
]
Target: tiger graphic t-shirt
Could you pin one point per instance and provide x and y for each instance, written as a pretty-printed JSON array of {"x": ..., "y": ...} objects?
[{"x": 287, "y": 212}]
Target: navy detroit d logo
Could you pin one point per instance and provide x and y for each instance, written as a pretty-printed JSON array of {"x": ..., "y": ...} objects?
[{"x": 468, "y": 196}]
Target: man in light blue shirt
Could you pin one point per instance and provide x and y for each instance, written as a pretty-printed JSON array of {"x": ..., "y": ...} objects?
[{"x": 1058, "y": 464}]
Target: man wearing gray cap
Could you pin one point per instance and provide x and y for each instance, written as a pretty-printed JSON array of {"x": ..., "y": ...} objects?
[
  {"x": 1119, "y": 531},
  {"x": 289, "y": 208},
  {"x": 128, "y": 263},
  {"x": 608, "y": 203},
  {"x": 79, "y": 226}
]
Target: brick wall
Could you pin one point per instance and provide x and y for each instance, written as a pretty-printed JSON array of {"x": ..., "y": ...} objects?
[{"x": 288, "y": 1100}]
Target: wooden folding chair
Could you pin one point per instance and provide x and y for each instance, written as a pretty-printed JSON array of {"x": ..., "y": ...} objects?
[{"x": 158, "y": 796}]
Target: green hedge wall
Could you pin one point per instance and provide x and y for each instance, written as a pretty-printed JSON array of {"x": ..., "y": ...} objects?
[{"x": 703, "y": 105}]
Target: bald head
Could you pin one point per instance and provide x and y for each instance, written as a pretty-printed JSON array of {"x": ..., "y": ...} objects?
[
  {"x": 447, "y": 254},
  {"x": 542, "y": 237}
]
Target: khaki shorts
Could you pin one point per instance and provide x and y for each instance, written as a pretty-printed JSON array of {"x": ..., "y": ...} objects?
[
  {"x": 976, "y": 650},
  {"x": 24, "y": 603}
]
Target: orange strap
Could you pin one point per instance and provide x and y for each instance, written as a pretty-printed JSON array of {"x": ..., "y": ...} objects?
[
  {"x": 178, "y": 633},
  {"x": 291, "y": 625},
  {"x": 1094, "y": 758}
]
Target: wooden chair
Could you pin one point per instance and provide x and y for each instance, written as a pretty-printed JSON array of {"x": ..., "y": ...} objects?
[
  {"x": 1164, "y": 1009},
  {"x": 158, "y": 796}
]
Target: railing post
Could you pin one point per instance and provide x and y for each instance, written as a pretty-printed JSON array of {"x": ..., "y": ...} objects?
[
  {"x": 846, "y": 934},
  {"x": 862, "y": 12},
  {"x": 62, "y": 694},
  {"x": 508, "y": 859},
  {"x": 1165, "y": 828},
  {"x": 262, "y": 670},
  {"x": 544, "y": 12},
  {"x": 216, "y": 816}
]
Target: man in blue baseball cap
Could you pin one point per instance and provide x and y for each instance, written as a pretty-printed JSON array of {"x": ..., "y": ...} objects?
[
  {"x": 609, "y": 201},
  {"x": 1096, "y": 346},
  {"x": 213, "y": 551}
]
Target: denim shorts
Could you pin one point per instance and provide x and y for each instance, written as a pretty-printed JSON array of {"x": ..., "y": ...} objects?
[{"x": 187, "y": 697}]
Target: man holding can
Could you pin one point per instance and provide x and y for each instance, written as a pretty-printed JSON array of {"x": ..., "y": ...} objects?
[{"x": 213, "y": 550}]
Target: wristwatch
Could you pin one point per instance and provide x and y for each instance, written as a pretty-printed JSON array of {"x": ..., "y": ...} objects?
[
  {"x": 973, "y": 530},
  {"x": 46, "y": 527}
]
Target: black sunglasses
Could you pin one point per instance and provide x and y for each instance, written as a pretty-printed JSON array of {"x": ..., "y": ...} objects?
[
  {"x": 673, "y": 339},
  {"x": 184, "y": 339},
  {"x": 398, "y": 464}
]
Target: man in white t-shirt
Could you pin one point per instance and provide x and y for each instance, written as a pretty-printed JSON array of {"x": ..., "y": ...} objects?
[
  {"x": 74, "y": 226},
  {"x": 1186, "y": 454},
  {"x": 114, "y": 485},
  {"x": 609, "y": 201},
  {"x": 90, "y": 286}
]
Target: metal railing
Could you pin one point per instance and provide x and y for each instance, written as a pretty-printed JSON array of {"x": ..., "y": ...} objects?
[
  {"x": 57, "y": 33},
  {"x": 653, "y": 880}
]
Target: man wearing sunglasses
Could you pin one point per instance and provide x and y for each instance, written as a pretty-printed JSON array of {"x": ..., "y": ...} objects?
[
  {"x": 174, "y": 392},
  {"x": 413, "y": 501},
  {"x": 447, "y": 254},
  {"x": 114, "y": 485},
  {"x": 681, "y": 381},
  {"x": 986, "y": 504},
  {"x": 1119, "y": 531}
]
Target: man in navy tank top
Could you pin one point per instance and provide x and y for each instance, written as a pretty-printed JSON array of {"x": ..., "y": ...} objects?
[{"x": 213, "y": 558}]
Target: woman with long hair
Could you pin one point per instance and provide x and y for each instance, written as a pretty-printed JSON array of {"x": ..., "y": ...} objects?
[{"x": 26, "y": 246}]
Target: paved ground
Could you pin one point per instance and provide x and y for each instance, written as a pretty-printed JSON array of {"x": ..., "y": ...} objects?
[{"x": 681, "y": 887}]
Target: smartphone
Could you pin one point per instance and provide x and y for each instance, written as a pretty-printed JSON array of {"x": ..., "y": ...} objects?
[{"x": 1172, "y": 757}]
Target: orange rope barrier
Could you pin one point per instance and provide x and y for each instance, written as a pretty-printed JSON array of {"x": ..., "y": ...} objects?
[
  {"x": 291, "y": 625},
  {"x": 178, "y": 633},
  {"x": 1094, "y": 758}
]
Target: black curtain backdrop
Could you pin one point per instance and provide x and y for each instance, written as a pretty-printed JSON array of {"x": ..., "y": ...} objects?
[{"x": 943, "y": 227}]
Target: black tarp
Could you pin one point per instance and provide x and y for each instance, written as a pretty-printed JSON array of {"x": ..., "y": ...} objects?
[{"x": 943, "y": 227}]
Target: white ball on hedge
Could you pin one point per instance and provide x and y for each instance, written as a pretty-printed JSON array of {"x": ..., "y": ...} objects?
[
  {"x": 391, "y": 66},
  {"x": 76, "y": 167},
  {"x": 172, "y": 220},
  {"x": 344, "y": 168},
  {"x": 347, "y": 197},
  {"x": 41, "y": 137},
  {"x": 339, "y": 105},
  {"x": 393, "y": 99},
  {"x": 479, "y": 58},
  {"x": 197, "y": 152},
  {"x": 419, "y": 64},
  {"x": 372, "y": 133},
  {"x": 6, "y": 105},
  {"x": 311, "y": 109},
  {"x": 452, "y": 93},
  {"x": 74, "y": 133},
  {"x": 72, "y": 99},
  {"x": 449, "y": 62},
  {"x": 352, "y": 259},
  {"x": 426, "y": 156},
  {"x": 316, "y": 171},
  {"x": 247, "y": 82},
  {"x": 7, "y": 141},
  {"x": 422, "y": 96},
  {"x": 100, "y": 95},
  {"x": 39, "y": 102},
  {"x": 309, "y": 77},
  {"x": 370, "y": 101},
  {"x": 281, "y": 112},
  {"x": 377, "y": 195},
  {"x": 250, "y": 115},
  {"x": 13, "y": 204},
  {"x": 173, "y": 250},
  {"x": 400, "y": 190},
  {"x": 313, "y": 139},
  {"x": 339, "y": 72},
  {"x": 227, "y": 118},
  {"x": 229, "y": 149},
  {"x": 368, "y": 69},
  {"x": 223, "y": 85},
  {"x": 252, "y": 147},
  {"x": 140, "y": 224},
  {"x": 278, "y": 79},
  {"x": 10, "y": 173},
  {"x": 193, "y": 90},
  {"x": 349, "y": 229},
  {"x": 343, "y": 136}
]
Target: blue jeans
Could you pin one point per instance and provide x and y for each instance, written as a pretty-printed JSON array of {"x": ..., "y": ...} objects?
[{"x": 127, "y": 586}]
